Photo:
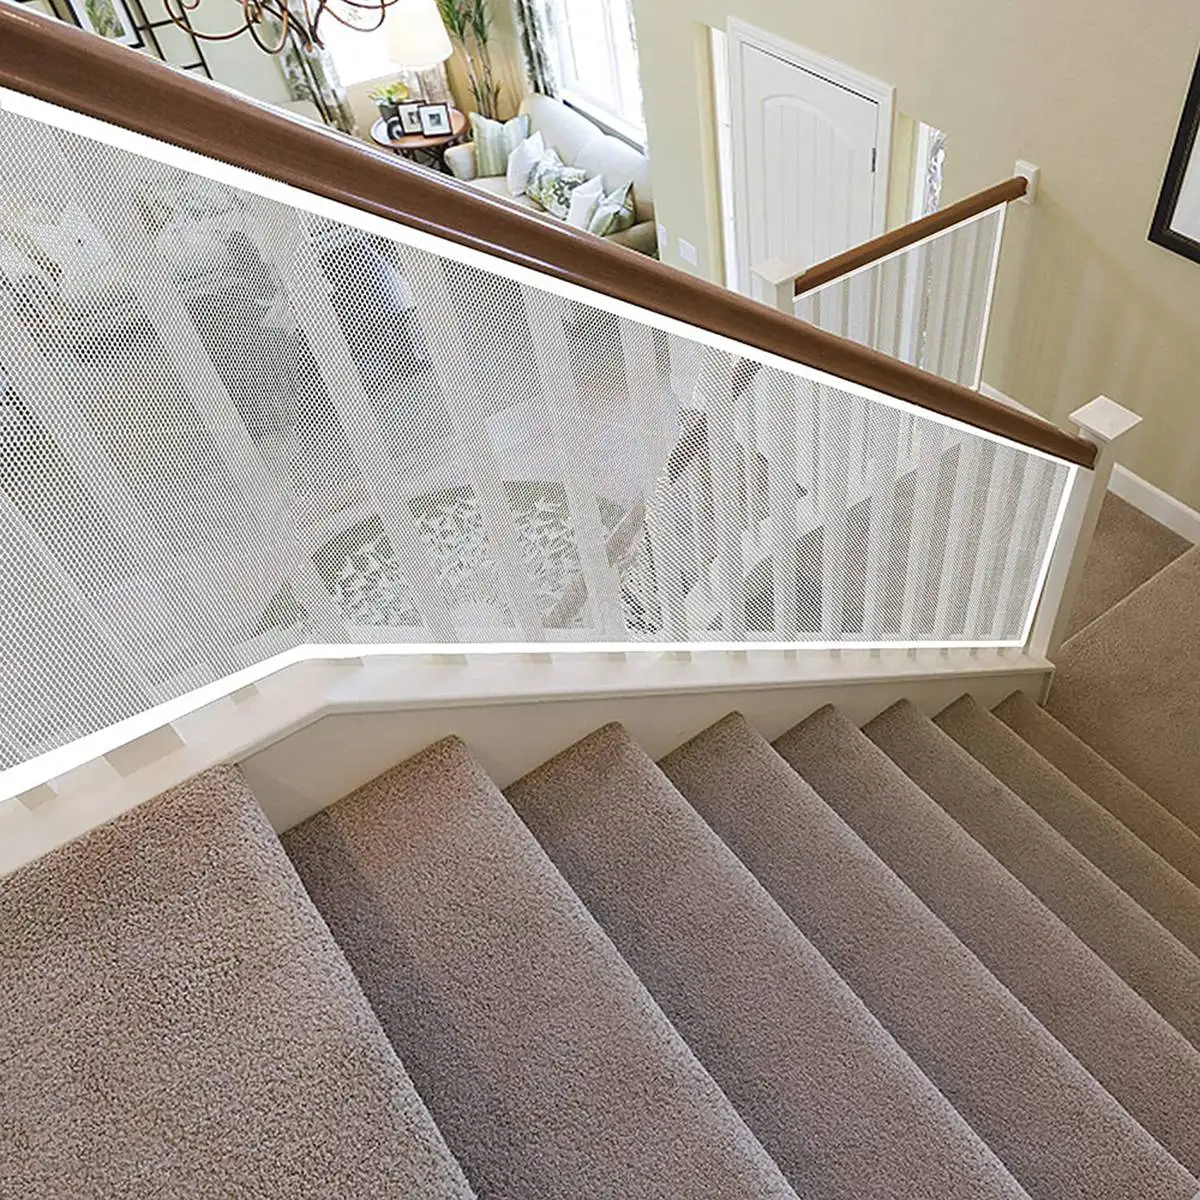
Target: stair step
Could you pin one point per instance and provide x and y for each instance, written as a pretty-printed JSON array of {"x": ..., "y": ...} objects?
[
  {"x": 1161, "y": 830},
  {"x": 1141, "y": 1059},
  {"x": 1045, "y": 1117},
  {"x": 834, "y": 1100},
  {"x": 547, "y": 1066},
  {"x": 1151, "y": 960},
  {"x": 181, "y": 1023},
  {"x": 1128, "y": 685},
  {"x": 1090, "y": 828},
  {"x": 1128, "y": 548}
]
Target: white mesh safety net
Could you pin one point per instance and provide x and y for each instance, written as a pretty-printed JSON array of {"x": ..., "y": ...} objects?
[
  {"x": 927, "y": 305},
  {"x": 233, "y": 427}
]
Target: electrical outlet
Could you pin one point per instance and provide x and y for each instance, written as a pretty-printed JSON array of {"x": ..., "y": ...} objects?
[
  {"x": 688, "y": 252},
  {"x": 664, "y": 242}
]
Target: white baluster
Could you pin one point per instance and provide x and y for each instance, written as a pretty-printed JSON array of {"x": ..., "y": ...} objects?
[
  {"x": 289, "y": 249},
  {"x": 574, "y": 451},
  {"x": 783, "y": 476},
  {"x": 457, "y": 373},
  {"x": 641, "y": 375}
]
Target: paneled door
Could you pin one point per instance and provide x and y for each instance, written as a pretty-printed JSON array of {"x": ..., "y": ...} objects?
[{"x": 811, "y": 142}]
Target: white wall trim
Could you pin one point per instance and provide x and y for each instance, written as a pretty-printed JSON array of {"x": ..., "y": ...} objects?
[
  {"x": 1156, "y": 503},
  {"x": 313, "y": 731},
  {"x": 1133, "y": 489}
]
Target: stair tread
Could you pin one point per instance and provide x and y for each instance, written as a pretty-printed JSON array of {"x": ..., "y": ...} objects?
[
  {"x": 185, "y": 1024},
  {"x": 1094, "y": 774},
  {"x": 838, "y": 1105},
  {"x": 1045, "y": 1117},
  {"x": 547, "y": 1066},
  {"x": 1165, "y": 894},
  {"x": 1127, "y": 549},
  {"x": 1141, "y": 1059},
  {"x": 1150, "y": 959},
  {"x": 1128, "y": 685}
]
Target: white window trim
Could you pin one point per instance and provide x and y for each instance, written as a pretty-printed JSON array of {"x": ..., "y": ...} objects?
[
  {"x": 609, "y": 121},
  {"x": 594, "y": 107}
]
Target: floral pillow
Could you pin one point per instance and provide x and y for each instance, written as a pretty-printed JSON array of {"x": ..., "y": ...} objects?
[
  {"x": 552, "y": 183},
  {"x": 614, "y": 213}
]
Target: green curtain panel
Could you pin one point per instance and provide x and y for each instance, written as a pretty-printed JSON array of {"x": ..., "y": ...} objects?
[{"x": 533, "y": 20}]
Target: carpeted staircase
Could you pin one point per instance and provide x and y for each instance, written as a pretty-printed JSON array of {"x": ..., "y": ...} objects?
[{"x": 929, "y": 959}]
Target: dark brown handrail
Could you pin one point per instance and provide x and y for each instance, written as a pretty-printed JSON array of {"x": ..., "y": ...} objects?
[
  {"x": 77, "y": 70},
  {"x": 909, "y": 235}
]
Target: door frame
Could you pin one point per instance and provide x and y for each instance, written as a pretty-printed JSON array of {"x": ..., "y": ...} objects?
[{"x": 740, "y": 34}]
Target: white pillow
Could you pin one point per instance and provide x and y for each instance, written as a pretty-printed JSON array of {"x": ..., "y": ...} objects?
[
  {"x": 584, "y": 200},
  {"x": 521, "y": 163}
]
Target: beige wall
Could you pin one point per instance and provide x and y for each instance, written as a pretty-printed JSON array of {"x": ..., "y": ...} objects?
[{"x": 1090, "y": 90}]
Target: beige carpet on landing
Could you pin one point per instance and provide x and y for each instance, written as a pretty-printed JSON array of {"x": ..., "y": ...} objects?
[
  {"x": 1128, "y": 548},
  {"x": 1129, "y": 685}
]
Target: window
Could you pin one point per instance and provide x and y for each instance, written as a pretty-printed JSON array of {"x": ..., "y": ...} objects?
[
  {"x": 359, "y": 54},
  {"x": 598, "y": 63}
]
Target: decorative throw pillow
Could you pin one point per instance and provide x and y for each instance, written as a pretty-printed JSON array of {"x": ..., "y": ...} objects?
[
  {"x": 614, "y": 212},
  {"x": 584, "y": 200},
  {"x": 521, "y": 163},
  {"x": 494, "y": 142},
  {"x": 552, "y": 184}
]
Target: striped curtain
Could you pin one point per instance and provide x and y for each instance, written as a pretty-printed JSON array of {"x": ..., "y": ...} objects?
[{"x": 537, "y": 42}]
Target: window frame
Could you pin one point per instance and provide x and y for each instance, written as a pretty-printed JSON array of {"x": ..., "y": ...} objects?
[{"x": 598, "y": 108}]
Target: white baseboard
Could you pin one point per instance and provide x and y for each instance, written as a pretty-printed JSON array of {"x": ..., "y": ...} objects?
[
  {"x": 1133, "y": 489},
  {"x": 316, "y": 730},
  {"x": 1156, "y": 503}
]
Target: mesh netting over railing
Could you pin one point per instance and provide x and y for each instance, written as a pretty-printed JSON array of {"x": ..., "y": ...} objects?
[
  {"x": 232, "y": 427},
  {"x": 927, "y": 305}
]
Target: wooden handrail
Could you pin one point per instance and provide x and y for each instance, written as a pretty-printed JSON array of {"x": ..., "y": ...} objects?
[
  {"x": 916, "y": 231},
  {"x": 76, "y": 70}
]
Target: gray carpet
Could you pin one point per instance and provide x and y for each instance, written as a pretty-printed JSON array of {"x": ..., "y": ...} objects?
[
  {"x": 1137, "y": 947},
  {"x": 1141, "y": 1059},
  {"x": 1137, "y": 810},
  {"x": 547, "y": 1066},
  {"x": 836, "y": 1103},
  {"x": 1165, "y": 894},
  {"x": 1128, "y": 685},
  {"x": 176, "y": 1021},
  {"x": 1045, "y": 1117},
  {"x": 1129, "y": 547}
]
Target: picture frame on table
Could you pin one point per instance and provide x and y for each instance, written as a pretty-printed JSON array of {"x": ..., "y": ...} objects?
[
  {"x": 1176, "y": 224},
  {"x": 435, "y": 120},
  {"x": 409, "y": 118},
  {"x": 111, "y": 19}
]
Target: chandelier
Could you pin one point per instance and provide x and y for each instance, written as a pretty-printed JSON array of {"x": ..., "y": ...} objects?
[{"x": 274, "y": 23}]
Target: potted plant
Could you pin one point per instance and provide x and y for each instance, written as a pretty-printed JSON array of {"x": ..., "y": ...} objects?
[
  {"x": 388, "y": 99},
  {"x": 469, "y": 23}
]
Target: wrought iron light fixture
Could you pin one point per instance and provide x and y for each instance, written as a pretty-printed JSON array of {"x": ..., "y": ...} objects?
[{"x": 274, "y": 23}]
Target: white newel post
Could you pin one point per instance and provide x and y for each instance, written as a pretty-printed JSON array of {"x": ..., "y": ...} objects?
[
  {"x": 1103, "y": 422},
  {"x": 773, "y": 283}
]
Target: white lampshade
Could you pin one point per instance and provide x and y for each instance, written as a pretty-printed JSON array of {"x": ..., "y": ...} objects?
[{"x": 417, "y": 39}]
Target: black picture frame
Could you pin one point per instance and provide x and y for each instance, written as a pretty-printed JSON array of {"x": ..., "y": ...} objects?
[
  {"x": 409, "y": 116},
  {"x": 435, "y": 120},
  {"x": 1163, "y": 230}
]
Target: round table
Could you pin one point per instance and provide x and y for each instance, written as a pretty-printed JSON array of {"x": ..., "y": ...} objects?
[{"x": 416, "y": 146}]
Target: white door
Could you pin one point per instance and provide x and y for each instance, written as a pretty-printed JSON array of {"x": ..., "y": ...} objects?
[{"x": 810, "y": 150}]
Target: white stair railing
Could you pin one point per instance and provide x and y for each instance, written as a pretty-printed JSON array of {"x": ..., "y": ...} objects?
[
  {"x": 325, "y": 423},
  {"x": 921, "y": 294}
]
